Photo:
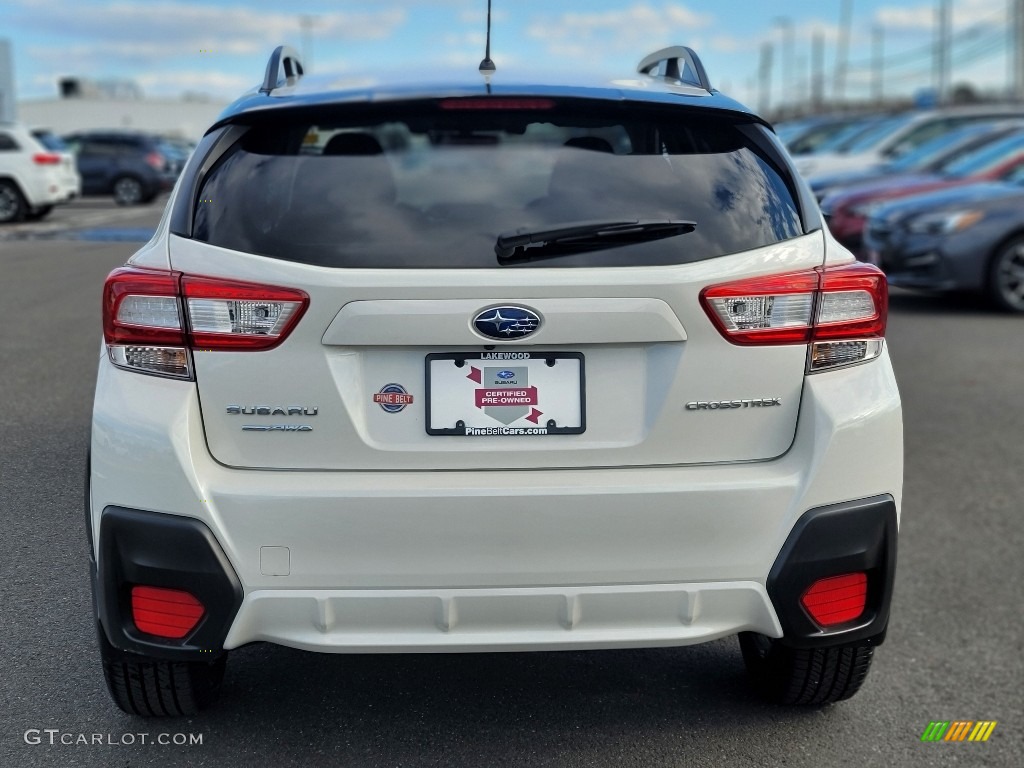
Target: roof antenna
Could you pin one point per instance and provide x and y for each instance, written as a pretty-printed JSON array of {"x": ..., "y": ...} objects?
[{"x": 487, "y": 67}]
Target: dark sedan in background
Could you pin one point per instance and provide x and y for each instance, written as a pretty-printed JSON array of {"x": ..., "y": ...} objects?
[
  {"x": 134, "y": 167},
  {"x": 965, "y": 238}
]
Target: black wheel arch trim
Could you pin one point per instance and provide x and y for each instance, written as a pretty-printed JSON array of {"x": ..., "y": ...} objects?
[
  {"x": 830, "y": 541},
  {"x": 163, "y": 550}
]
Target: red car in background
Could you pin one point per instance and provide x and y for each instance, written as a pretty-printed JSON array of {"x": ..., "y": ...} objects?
[{"x": 847, "y": 210}]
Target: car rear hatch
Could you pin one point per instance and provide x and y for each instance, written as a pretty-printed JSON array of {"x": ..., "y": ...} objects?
[{"x": 504, "y": 283}]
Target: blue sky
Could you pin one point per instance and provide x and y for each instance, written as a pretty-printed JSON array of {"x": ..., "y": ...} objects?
[{"x": 219, "y": 47}]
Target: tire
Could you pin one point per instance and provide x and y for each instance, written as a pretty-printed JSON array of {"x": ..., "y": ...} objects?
[
  {"x": 39, "y": 213},
  {"x": 807, "y": 676},
  {"x": 128, "y": 190},
  {"x": 12, "y": 204},
  {"x": 1006, "y": 276},
  {"x": 149, "y": 687}
]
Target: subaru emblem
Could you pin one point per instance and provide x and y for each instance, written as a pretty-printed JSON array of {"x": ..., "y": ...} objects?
[
  {"x": 506, "y": 374},
  {"x": 506, "y": 323}
]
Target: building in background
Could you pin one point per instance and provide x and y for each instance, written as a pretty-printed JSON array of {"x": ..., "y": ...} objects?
[
  {"x": 7, "y": 106},
  {"x": 89, "y": 104}
]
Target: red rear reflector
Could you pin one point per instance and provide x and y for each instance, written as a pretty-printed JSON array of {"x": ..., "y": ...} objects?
[
  {"x": 171, "y": 613},
  {"x": 497, "y": 104},
  {"x": 46, "y": 158},
  {"x": 837, "y": 599}
]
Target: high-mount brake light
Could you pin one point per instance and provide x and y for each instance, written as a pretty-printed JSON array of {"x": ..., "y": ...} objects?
[
  {"x": 468, "y": 104},
  {"x": 840, "y": 311},
  {"x": 154, "y": 319}
]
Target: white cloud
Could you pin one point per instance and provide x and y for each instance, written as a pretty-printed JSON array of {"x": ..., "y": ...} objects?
[
  {"x": 173, "y": 83},
  {"x": 169, "y": 27},
  {"x": 578, "y": 34},
  {"x": 921, "y": 18}
]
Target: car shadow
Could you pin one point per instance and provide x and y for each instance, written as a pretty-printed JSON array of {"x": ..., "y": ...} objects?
[{"x": 442, "y": 700}]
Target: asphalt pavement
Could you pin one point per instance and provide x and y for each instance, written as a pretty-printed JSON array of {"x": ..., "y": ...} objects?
[{"x": 955, "y": 649}]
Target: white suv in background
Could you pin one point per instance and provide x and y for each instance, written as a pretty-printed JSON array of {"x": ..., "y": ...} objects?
[
  {"x": 36, "y": 173},
  {"x": 494, "y": 364}
]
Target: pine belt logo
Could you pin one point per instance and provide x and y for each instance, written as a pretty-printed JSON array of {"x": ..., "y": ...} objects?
[{"x": 958, "y": 730}]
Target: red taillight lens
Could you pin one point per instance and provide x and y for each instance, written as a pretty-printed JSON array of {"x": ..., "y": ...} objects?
[
  {"x": 836, "y": 600},
  {"x": 156, "y": 161},
  {"x": 776, "y": 309},
  {"x": 171, "y": 613},
  {"x": 854, "y": 301},
  {"x": 46, "y": 158},
  {"x": 141, "y": 306},
  {"x": 240, "y": 316},
  {"x": 152, "y": 319},
  {"x": 840, "y": 310}
]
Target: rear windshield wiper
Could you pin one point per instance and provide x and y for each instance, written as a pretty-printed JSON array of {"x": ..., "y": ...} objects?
[{"x": 580, "y": 236}]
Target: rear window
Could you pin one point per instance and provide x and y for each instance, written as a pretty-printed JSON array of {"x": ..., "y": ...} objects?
[
  {"x": 50, "y": 141},
  {"x": 433, "y": 185}
]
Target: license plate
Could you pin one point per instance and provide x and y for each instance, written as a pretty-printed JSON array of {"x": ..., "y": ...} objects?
[{"x": 485, "y": 394}]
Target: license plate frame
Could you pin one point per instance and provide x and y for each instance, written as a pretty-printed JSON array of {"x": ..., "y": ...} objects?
[{"x": 545, "y": 393}]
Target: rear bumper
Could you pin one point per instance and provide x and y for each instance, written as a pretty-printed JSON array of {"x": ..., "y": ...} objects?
[
  {"x": 497, "y": 560},
  {"x": 504, "y": 619}
]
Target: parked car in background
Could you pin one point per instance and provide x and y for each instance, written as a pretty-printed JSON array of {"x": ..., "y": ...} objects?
[
  {"x": 134, "y": 167},
  {"x": 809, "y": 135},
  {"x": 846, "y": 211},
  {"x": 899, "y": 135},
  {"x": 36, "y": 173},
  {"x": 930, "y": 157},
  {"x": 180, "y": 149},
  {"x": 967, "y": 238}
]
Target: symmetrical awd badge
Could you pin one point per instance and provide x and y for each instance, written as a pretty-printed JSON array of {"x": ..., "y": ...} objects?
[{"x": 509, "y": 322}]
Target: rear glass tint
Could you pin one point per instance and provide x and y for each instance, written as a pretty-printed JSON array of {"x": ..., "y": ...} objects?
[{"x": 433, "y": 185}]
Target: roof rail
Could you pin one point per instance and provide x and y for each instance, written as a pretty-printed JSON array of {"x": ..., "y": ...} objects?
[
  {"x": 282, "y": 55},
  {"x": 682, "y": 65}
]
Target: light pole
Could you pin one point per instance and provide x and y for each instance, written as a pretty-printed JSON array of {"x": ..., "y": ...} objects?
[
  {"x": 785, "y": 24},
  {"x": 306, "y": 23}
]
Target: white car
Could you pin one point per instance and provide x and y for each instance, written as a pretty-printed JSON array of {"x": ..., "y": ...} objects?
[
  {"x": 36, "y": 173},
  {"x": 889, "y": 138},
  {"x": 492, "y": 365}
]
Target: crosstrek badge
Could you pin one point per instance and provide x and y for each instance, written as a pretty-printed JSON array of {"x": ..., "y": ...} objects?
[{"x": 393, "y": 398}]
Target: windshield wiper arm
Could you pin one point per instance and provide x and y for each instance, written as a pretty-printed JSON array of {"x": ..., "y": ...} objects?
[{"x": 580, "y": 236}]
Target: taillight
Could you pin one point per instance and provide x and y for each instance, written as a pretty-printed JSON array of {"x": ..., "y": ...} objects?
[
  {"x": 171, "y": 613},
  {"x": 153, "y": 319},
  {"x": 840, "y": 311},
  {"x": 156, "y": 161},
  {"x": 837, "y": 599},
  {"x": 46, "y": 158},
  {"x": 228, "y": 315}
]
